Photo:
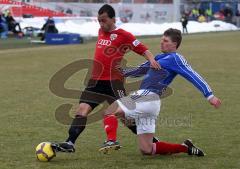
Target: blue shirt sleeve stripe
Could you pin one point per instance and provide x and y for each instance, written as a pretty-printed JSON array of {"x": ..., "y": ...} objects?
[
  {"x": 194, "y": 72},
  {"x": 186, "y": 71}
]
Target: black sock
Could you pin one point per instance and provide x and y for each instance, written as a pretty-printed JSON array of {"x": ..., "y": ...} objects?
[
  {"x": 77, "y": 126},
  {"x": 133, "y": 128}
]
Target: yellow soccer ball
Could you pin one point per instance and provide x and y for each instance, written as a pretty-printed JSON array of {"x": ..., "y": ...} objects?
[{"x": 45, "y": 152}]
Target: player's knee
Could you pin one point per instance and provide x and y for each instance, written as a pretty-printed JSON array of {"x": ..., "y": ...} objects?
[
  {"x": 146, "y": 151},
  {"x": 114, "y": 109},
  {"x": 83, "y": 109},
  {"x": 119, "y": 114}
]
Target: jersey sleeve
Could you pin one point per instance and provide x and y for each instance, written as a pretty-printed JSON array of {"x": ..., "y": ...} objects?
[
  {"x": 137, "y": 71},
  {"x": 135, "y": 45},
  {"x": 182, "y": 68}
]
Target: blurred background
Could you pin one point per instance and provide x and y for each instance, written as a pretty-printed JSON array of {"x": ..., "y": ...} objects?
[{"x": 141, "y": 17}]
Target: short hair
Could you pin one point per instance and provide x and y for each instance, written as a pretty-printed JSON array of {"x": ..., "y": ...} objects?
[
  {"x": 108, "y": 9},
  {"x": 175, "y": 35}
]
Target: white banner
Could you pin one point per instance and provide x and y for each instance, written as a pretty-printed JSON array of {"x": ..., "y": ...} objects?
[{"x": 138, "y": 13}]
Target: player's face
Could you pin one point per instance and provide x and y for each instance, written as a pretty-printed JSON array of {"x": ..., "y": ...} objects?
[
  {"x": 107, "y": 24},
  {"x": 167, "y": 45}
]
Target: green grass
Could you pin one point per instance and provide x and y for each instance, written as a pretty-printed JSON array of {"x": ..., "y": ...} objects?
[
  {"x": 28, "y": 107},
  {"x": 13, "y": 43}
]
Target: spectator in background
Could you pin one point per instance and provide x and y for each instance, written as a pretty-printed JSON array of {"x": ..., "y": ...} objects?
[
  {"x": 69, "y": 11},
  {"x": 238, "y": 12},
  {"x": 48, "y": 27},
  {"x": 219, "y": 15},
  {"x": 12, "y": 24},
  {"x": 148, "y": 17},
  {"x": 3, "y": 26},
  {"x": 228, "y": 13},
  {"x": 187, "y": 12},
  {"x": 0, "y": 20},
  {"x": 195, "y": 13},
  {"x": 184, "y": 21},
  {"x": 237, "y": 18},
  {"x": 209, "y": 14},
  {"x": 201, "y": 18},
  {"x": 201, "y": 11}
]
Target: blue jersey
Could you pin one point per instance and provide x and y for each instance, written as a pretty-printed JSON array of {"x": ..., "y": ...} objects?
[{"x": 172, "y": 64}]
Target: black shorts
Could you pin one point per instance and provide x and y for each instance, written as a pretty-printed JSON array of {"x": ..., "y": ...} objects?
[{"x": 99, "y": 91}]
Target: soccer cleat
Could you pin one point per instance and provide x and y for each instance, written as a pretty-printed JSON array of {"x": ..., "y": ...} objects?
[
  {"x": 109, "y": 145},
  {"x": 192, "y": 149},
  {"x": 63, "y": 147}
]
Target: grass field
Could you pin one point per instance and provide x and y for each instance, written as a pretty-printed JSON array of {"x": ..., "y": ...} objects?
[{"x": 28, "y": 108}]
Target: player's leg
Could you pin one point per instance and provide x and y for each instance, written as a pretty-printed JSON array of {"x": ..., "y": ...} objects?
[
  {"x": 164, "y": 148},
  {"x": 145, "y": 143},
  {"x": 127, "y": 108},
  {"x": 77, "y": 126},
  {"x": 145, "y": 130},
  {"x": 116, "y": 110},
  {"x": 148, "y": 112},
  {"x": 79, "y": 122},
  {"x": 94, "y": 94},
  {"x": 110, "y": 120},
  {"x": 187, "y": 146},
  {"x": 89, "y": 99},
  {"x": 110, "y": 126},
  {"x": 118, "y": 92}
]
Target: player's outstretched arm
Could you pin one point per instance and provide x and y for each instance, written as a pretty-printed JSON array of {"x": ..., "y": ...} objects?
[
  {"x": 216, "y": 102},
  {"x": 139, "y": 71}
]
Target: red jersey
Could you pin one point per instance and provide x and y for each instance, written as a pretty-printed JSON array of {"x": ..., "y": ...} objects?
[{"x": 110, "y": 48}]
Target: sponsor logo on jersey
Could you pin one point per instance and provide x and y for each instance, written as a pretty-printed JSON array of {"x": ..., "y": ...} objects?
[
  {"x": 104, "y": 42},
  {"x": 136, "y": 42},
  {"x": 113, "y": 37}
]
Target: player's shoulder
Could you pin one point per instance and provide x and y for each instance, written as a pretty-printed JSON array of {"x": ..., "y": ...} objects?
[
  {"x": 165, "y": 56},
  {"x": 180, "y": 59},
  {"x": 121, "y": 31},
  {"x": 178, "y": 56}
]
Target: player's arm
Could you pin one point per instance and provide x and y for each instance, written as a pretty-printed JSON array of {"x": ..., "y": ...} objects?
[
  {"x": 149, "y": 56},
  {"x": 185, "y": 70},
  {"x": 141, "y": 49},
  {"x": 136, "y": 71}
]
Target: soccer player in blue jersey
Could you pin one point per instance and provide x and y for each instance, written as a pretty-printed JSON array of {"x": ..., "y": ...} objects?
[{"x": 144, "y": 105}]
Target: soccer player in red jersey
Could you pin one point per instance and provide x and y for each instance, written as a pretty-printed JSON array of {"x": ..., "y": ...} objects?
[{"x": 106, "y": 83}]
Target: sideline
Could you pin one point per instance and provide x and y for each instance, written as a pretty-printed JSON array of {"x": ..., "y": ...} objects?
[{"x": 30, "y": 49}]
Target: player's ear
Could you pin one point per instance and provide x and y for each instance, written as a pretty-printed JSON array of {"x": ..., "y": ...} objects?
[
  {"x": 175, "y": 44},
  {"x": 114, "y": 19}
]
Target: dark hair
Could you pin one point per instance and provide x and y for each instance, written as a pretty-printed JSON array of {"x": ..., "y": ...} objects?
[
  {"x": 108, "y": 9},
  {"x": 175, "y": 35}
]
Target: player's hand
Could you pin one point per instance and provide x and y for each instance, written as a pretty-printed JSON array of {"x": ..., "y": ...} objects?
[
  {"x": 216, "y": 102},
  {"x": 119, "y": 68},
  {"x": 155, "y": 64}
]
